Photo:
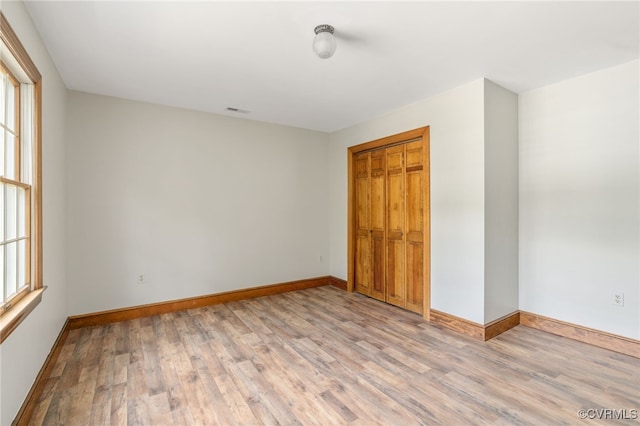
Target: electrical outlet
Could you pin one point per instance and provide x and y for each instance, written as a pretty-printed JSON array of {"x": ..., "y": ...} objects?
[
  {"x": 618, "y": 299},
  {"x": 140, "y": 278}
]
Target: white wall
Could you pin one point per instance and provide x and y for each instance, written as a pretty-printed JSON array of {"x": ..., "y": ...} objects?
[
  {"x": 501, "y": 201},
  {"x": 198, "y": 203},
  {"x": 23, "y": 353},
  {"x": 456, "y": 120},
  {"x": 579, "y": 200}
]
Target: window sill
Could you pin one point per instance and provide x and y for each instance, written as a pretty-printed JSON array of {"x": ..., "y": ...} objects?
[{"x": 12, "y": 318}]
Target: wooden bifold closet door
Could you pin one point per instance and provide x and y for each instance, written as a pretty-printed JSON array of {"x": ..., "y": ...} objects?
[{"x": 389, "y": 204}]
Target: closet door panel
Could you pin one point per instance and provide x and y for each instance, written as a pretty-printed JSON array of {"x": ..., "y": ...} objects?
[
  {"x": 395, "y": 273},
  {"x": 378, "y": 288},
  {"x": 395, "y": 189},
  {"x": 363, "y": 219},
  {"x": 378, "y": 160},
  {"x": 363, "y": 280},
  {"x": 415, "y": 277},
  {"x": 395, "y": 226},
  {"x": 415, "y": 227}
]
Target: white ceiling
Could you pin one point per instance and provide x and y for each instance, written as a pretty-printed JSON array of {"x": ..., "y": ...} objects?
[{"x": 208, "y": 56}]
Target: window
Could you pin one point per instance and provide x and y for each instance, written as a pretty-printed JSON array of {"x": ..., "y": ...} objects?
[{"x": 20, "y": 182}]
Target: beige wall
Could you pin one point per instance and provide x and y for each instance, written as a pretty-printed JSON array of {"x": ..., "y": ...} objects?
[
  {"x": 580, "y": 200},
  {"x": 197, "y": 203},
  {"x": 501, "y": 202},
  {"x": 23, "y": 353}
]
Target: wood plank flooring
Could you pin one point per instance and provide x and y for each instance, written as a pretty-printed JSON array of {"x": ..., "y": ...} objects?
[{"x": 322, "y": 356}]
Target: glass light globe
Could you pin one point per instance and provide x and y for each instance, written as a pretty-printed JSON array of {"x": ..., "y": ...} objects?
[{"x": 324, "y": 44}]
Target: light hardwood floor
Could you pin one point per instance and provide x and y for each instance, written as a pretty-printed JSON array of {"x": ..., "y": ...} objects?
[{"x": 327, "y": 357}]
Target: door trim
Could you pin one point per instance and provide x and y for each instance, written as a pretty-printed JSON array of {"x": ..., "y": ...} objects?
[{"x": 415, "y": 134}]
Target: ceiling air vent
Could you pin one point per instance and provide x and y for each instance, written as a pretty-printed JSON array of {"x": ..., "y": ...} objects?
[{"x": 238, "y": 110}]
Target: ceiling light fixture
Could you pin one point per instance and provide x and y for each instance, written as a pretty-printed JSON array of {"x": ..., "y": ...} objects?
[{"x": 324, "y": 43}]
